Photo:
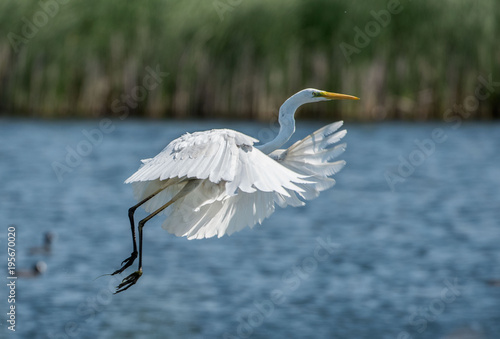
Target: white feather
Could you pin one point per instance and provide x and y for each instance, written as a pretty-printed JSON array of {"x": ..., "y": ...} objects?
[
  {"x": 216, "y": 182},
  {"x": 237, "y": 184},
  {"x": 241, "y": 185}
]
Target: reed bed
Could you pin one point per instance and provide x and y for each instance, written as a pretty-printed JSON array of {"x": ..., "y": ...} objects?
[{"x": 241, "y": 59}]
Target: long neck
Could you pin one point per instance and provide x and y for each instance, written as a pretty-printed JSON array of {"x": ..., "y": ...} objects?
[{"x": 287, "y": 125}]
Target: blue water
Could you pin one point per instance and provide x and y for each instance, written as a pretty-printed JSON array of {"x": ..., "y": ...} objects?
[{"x": 412, "y": 256}]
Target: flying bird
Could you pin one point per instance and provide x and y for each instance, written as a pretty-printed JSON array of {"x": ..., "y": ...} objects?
[{"x": 217, "y": 182}]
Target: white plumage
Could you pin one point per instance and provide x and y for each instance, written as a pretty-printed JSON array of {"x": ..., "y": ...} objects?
[
  {"x": 240, "y": 184},
  {"x": 217, "y": 182}
]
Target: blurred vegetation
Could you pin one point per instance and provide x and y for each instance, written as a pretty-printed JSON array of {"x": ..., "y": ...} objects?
[{"x": 243, "y": 58}]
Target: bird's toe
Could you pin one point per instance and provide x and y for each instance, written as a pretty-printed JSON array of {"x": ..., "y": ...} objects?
[
  {"x": 128, "y": 281},
  {"x": 126, "y": 263}
]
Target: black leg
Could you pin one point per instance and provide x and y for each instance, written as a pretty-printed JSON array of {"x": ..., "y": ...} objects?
[
  {"x": 132, "y": 278},
  {"x": 130, "y": 260}
]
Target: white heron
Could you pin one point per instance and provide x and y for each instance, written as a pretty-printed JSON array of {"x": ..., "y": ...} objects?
[{"x": 217, "y": 182}]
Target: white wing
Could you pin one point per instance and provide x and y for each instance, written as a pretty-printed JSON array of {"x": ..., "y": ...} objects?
[
  {"x": 240, "y": 187},
  {"x": 312, "y": 156},
  {"x": 219, "y": 155}
]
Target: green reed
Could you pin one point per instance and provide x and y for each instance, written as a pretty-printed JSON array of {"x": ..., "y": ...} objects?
[{"x": 241, "y": 59}]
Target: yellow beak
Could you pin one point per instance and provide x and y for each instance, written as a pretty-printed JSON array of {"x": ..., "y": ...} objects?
[{"x": 337, "y": 96}]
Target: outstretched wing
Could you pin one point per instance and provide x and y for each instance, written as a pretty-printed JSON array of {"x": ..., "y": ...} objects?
[
  {"x": 241, "y": 185},
  {"x": 219, "y": 156},
  {"x": 313, "y": 156}
]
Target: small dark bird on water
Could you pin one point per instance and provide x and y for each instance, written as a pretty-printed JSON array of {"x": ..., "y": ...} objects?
[
  {"x": 493, "y": 282},
  {"x": 47, "y": 245},
  {"x": 39, "y": 268}
]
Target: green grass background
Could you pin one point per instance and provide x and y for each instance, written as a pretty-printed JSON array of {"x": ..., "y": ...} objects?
[{"x": 243, "y": 58}]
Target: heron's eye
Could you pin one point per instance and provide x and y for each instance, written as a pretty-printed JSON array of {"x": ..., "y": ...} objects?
[{"x": 316, "y": 94}]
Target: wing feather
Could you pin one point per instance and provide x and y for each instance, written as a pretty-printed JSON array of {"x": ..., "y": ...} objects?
[
  {"x": 241, "y": 185},
  {"x": 224, "y": 216},
  {"x": 312, "y": 156},
  {"x": 313, "y": 142}
]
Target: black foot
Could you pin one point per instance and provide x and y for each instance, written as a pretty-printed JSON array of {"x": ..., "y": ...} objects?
[
  {"x": 129, "y": 281},
  {"x": 126, "y": 263}
]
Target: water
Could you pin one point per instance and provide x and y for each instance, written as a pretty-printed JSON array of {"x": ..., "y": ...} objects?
[{"x": 413, "y": 262}]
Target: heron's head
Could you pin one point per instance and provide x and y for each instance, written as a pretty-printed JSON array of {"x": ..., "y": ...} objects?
[
  {"x": 312, "y": 95},
  {"x": 308, "y": 95}
]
